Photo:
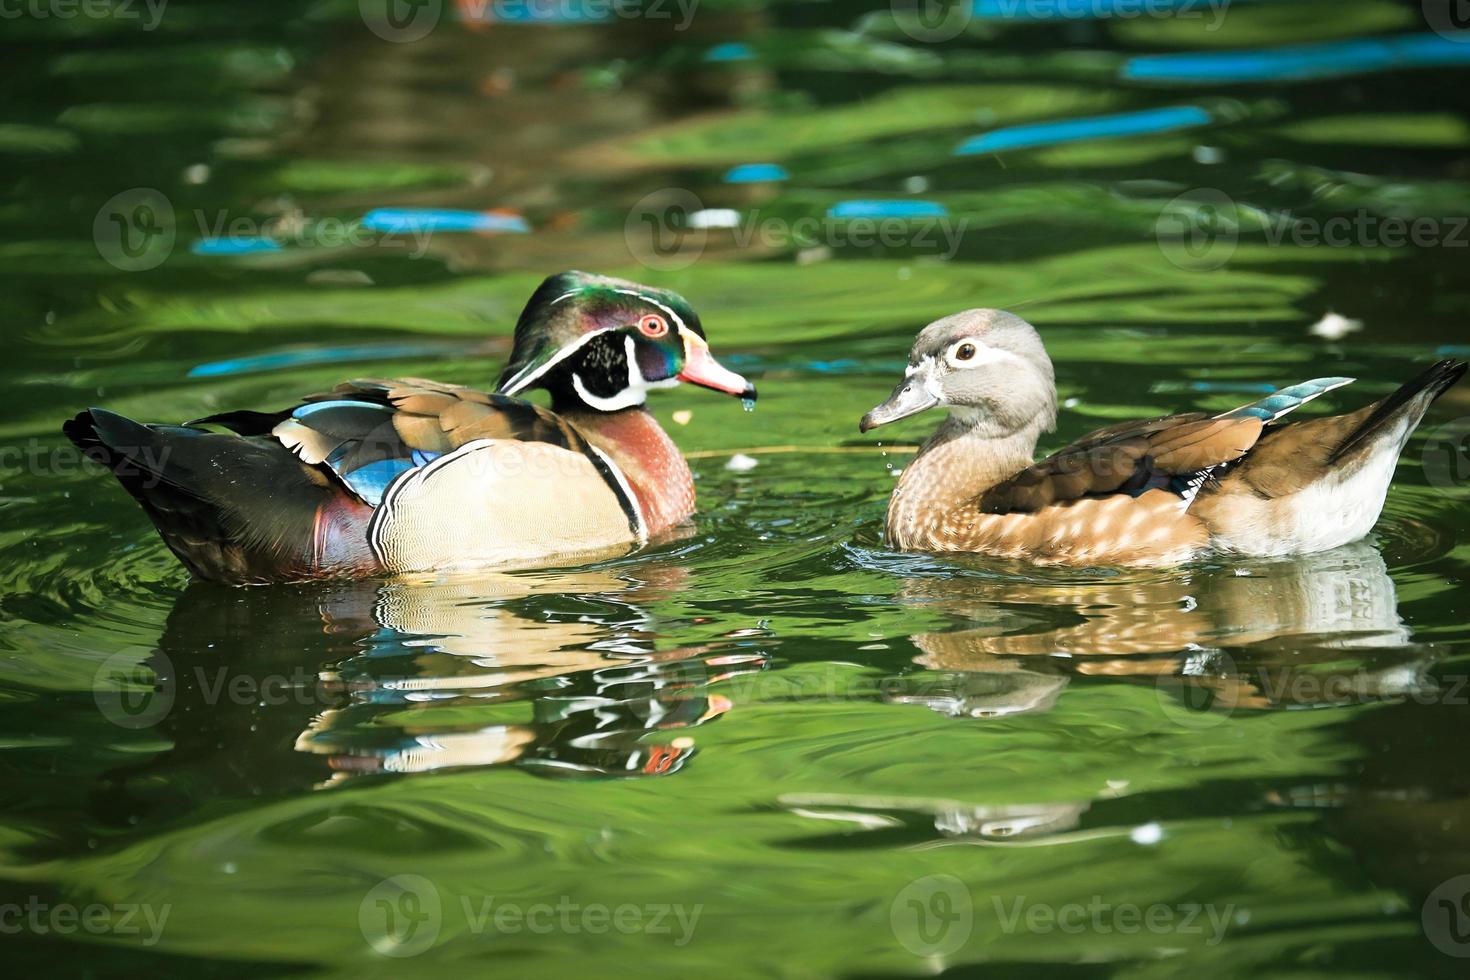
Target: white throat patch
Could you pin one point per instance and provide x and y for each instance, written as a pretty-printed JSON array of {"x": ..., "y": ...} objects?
[{"x": 633, "y": 395}]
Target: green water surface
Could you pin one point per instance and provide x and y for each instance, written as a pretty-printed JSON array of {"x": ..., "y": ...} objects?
[{"x": 767, "y": 746}]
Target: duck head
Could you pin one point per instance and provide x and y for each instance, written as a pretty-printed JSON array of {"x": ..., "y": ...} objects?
[
  {"x": 988, "y": 367},
  {"x": 603, "y": 343}
]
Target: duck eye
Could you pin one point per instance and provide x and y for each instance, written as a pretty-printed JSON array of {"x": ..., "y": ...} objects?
[
  {"x": 964, "y": 352},
  {"x": 653, "y": 325}
]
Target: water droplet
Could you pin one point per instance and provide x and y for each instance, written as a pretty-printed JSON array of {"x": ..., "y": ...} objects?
[{"x": 748, "y": 404}]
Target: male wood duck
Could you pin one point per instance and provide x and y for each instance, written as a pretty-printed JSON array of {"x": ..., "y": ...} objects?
[
  {"x": 1155, "y": 492},
  {"x": 410, "y": 475}
]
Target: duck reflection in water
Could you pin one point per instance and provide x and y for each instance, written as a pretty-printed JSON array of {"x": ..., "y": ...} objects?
[
  {"x": 555, "y": 673},
  {"x": 1263, "y": 635}
]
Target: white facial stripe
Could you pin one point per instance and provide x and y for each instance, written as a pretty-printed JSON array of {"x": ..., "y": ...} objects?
[
  {"x": 521, "y": 380},
  {"x": 634, "y": 394},
  {"x": 984, "y": 354},
  {"x": 673, "y": 317},
  {"x": 627, "y": 398}
]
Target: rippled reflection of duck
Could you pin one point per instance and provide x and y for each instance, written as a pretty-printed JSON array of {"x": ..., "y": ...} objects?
[
  {"x": 1239, "y": 631},
  {"x": 413, "y": 676}
]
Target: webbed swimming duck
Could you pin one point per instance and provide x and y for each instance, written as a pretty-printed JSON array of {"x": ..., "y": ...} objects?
[
  {"x": 379, "y": 476},
  {"x": 1154, "y": 492}
]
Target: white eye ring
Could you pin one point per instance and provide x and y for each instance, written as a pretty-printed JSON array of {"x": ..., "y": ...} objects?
[{"x": 964, "y": 354}]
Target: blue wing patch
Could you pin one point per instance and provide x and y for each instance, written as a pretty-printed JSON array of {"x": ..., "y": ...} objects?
[{"x": 370, "y": 482}]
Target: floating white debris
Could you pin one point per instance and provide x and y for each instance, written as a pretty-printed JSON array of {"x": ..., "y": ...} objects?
[
  {"x": 1208, "y": 155},
  {"x": 916, "y": 184},
  {"x": 715, "y": 218},
  {"x": 338, "y": 277},
  {"x": 682, "y": 416},
  {"x": 1334, "y": 326},
  {"x": 1149, "y": 833},
  {"x": 1071, "y": 403},
  {"x": 813, "y": 255},
  {"x": 740, "y": 463},
  {"x": 197, "y": 173}
]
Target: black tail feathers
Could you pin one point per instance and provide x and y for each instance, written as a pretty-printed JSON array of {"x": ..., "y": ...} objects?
[
  {"x": 1419, "y": 391},
  {"x": 233, "y": 509}
]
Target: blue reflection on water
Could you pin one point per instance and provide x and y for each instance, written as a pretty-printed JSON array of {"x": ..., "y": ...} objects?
[
  {"x": 1086, "y": 9},
  {"x": 1300, "y": 61},
  {"x": 754, "y": 173},
  {"x": 1139, "y": 123},
  {"x": 234, "y": 246},
  {"x": 316, "y": 355},
  {"x": 411, "y": 220},
  {"x": 887, "y": 209}
]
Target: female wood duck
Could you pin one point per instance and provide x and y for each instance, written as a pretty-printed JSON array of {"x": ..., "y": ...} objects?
[
  {"x": 411, "y": 475},
  {"x": 1153, "y": 492}
]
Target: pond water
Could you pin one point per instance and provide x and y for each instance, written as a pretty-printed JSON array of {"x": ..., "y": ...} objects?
[{"x": 768, "y": 745}]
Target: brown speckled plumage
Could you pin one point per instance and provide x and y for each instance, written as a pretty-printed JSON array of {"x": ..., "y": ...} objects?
[{"x": 1154, "y": 492}]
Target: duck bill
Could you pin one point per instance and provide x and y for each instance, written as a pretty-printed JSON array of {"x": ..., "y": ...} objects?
[
  {"x": 911, "y": 397},
  {"x": 701, "y": 368}
]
